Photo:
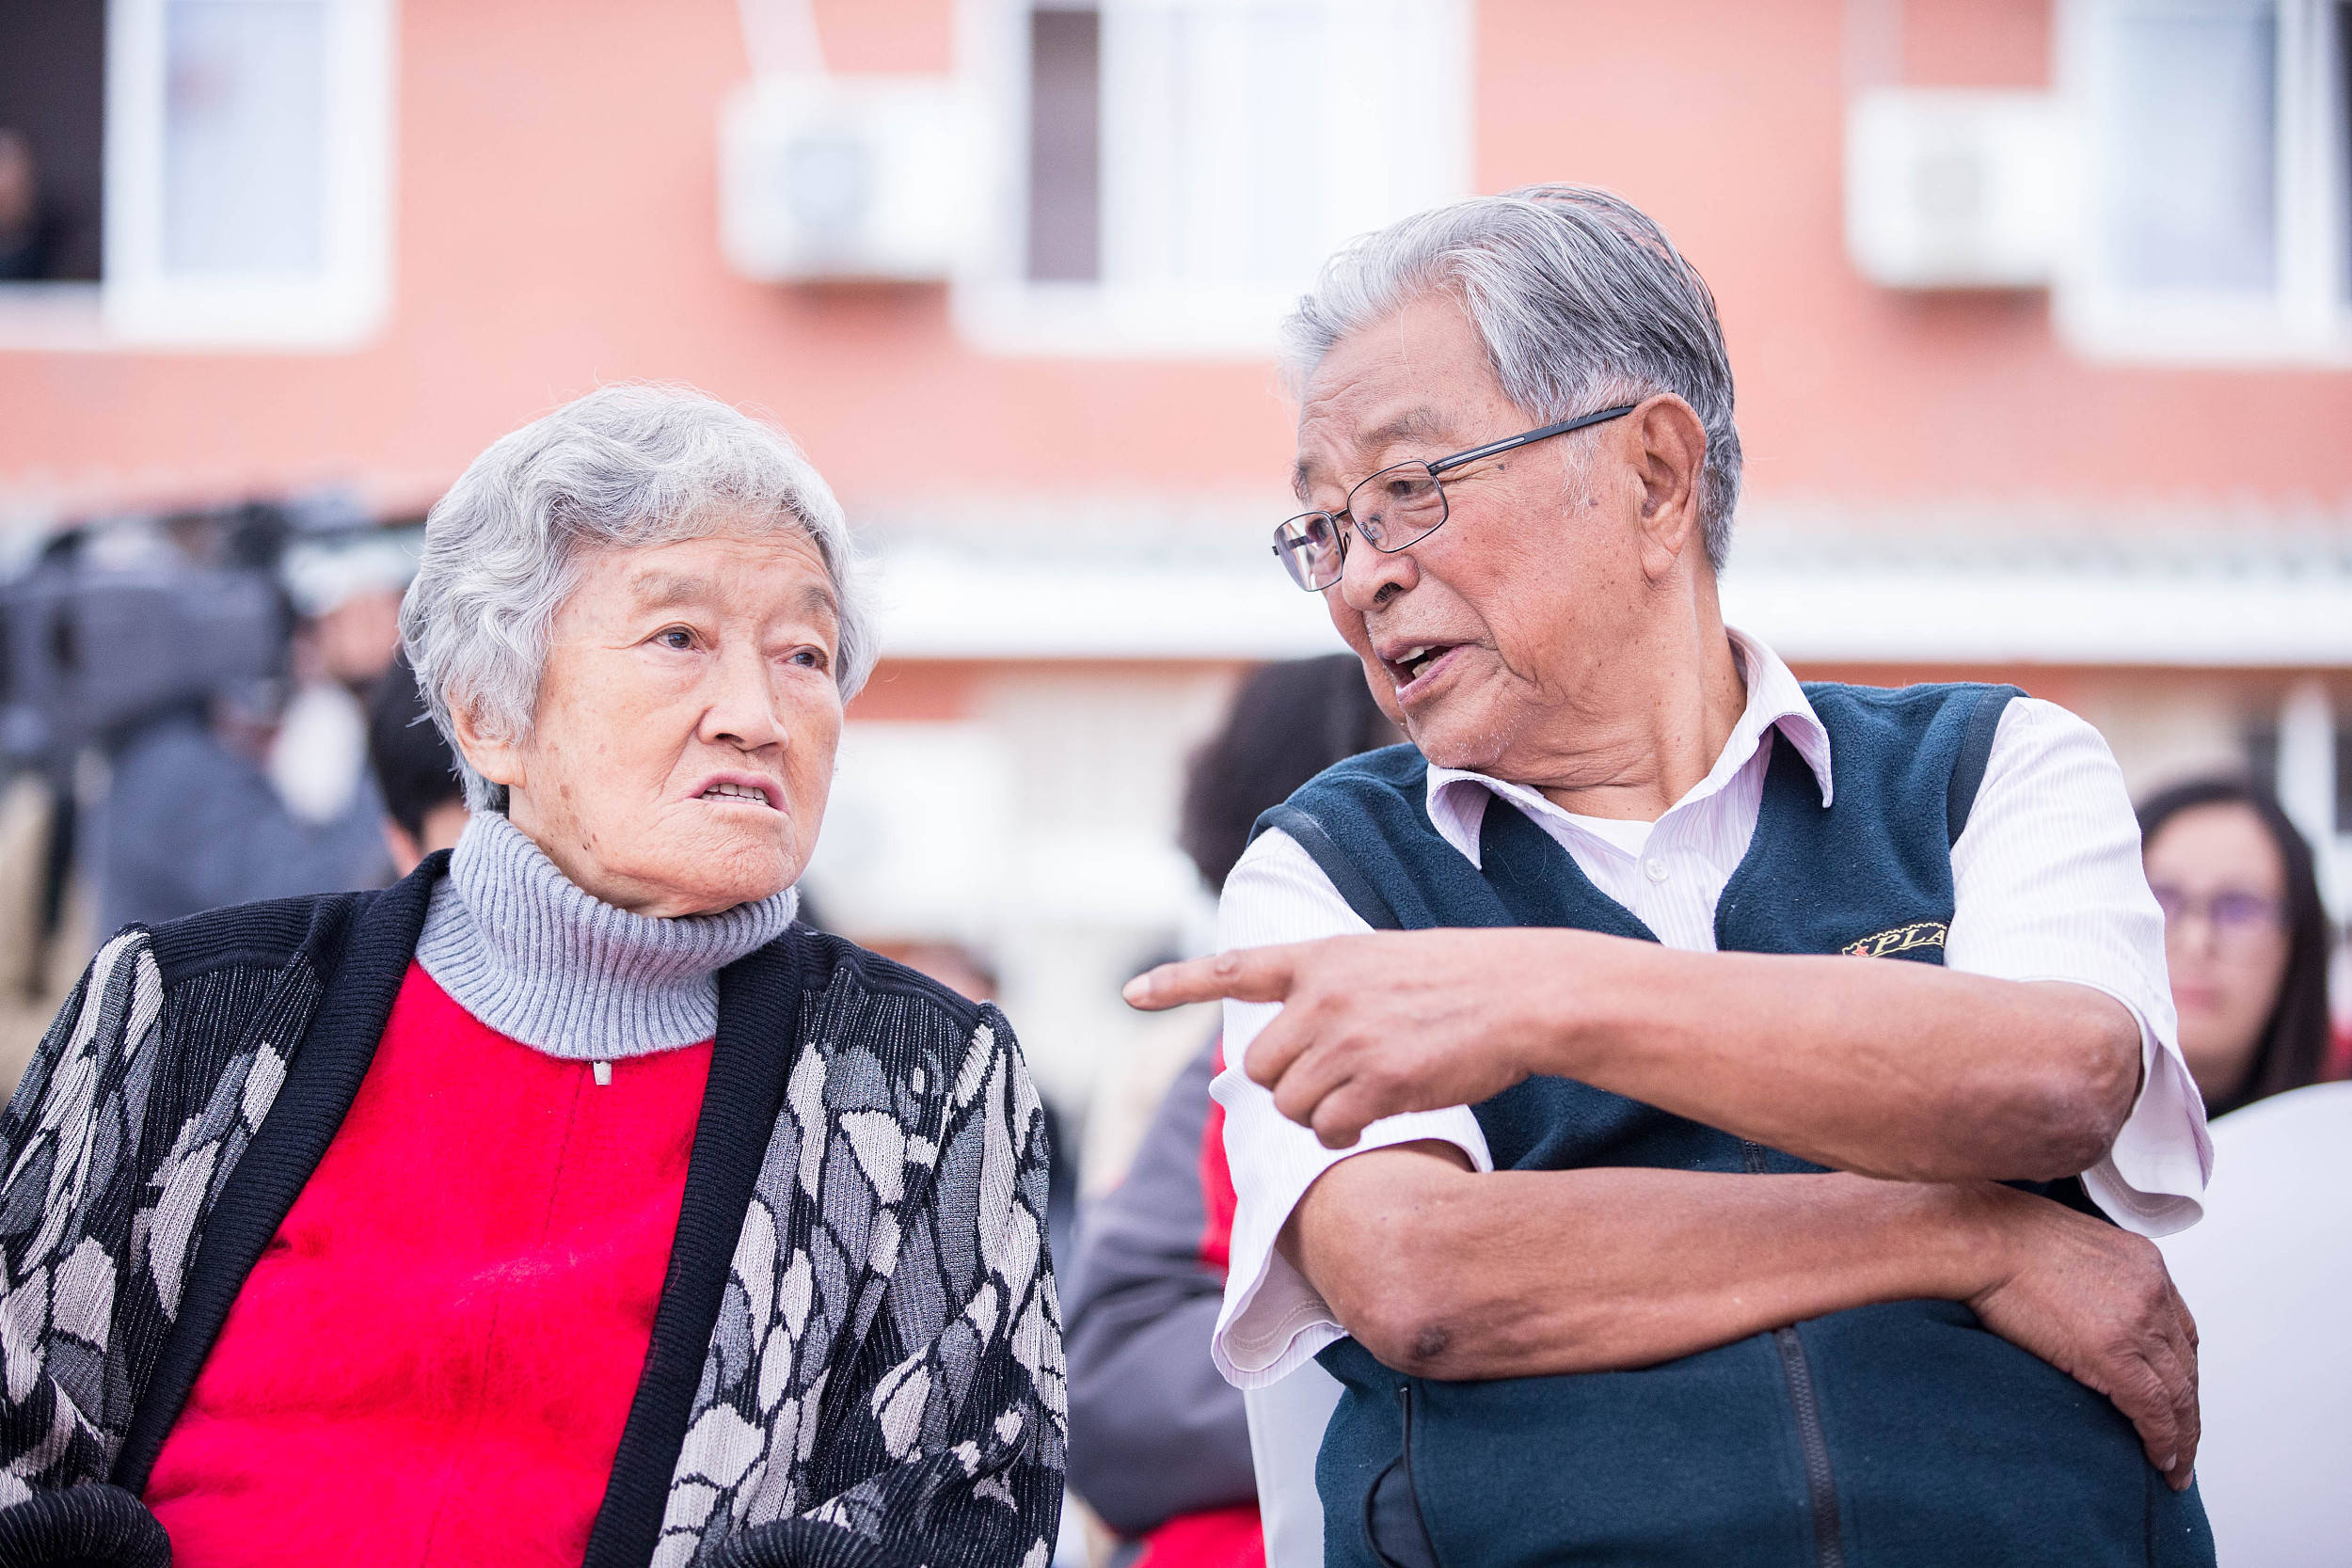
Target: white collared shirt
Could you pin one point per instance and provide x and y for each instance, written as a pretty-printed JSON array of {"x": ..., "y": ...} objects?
[{"x": 2047, "y": 885}]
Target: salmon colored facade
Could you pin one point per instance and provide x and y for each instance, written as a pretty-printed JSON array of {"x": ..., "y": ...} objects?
[{"x": 555, "y": 224}]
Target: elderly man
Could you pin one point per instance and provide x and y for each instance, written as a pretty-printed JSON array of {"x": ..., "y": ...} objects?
[{"x": 1638, "y": 1222}]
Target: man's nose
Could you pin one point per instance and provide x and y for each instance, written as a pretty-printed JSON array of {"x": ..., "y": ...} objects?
[
  {"x": 741, "y": 711},
  {"x": 1369, "y": 578}
]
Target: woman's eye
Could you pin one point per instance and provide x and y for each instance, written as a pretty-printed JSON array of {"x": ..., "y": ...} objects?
[
  {"x": 676, "y": 637},
  {"x": 809, "y": 658}
]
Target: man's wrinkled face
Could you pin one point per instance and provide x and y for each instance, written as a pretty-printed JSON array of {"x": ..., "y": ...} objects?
[{"x": 1499, "y": 620}]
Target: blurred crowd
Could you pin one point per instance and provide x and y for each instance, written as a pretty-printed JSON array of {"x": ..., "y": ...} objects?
[{"x": 323, "y": 773}]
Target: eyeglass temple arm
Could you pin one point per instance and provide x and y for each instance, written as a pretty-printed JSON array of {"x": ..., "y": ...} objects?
[{"x": 1512, "y": 443}]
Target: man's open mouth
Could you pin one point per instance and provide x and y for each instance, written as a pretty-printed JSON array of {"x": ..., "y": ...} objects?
[{"x": 1419, "y": 659}]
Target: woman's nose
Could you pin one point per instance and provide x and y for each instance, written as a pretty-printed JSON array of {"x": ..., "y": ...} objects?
[
  {"x": 741, "y": 709},
  {"x": 2191, "y": 931}
]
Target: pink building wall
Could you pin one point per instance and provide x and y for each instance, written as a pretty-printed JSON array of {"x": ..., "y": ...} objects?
[{"x": 556, "y": 226}]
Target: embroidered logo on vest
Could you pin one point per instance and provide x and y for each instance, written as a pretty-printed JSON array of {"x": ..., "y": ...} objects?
[{"x": 1901, "y": 938}]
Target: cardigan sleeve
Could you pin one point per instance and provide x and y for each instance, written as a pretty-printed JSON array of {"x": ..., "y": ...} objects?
[
  {"x": 950, "y": 1449},
  {"x": 69, "y": 1190},
  {"x": 68, "y": 1142}
]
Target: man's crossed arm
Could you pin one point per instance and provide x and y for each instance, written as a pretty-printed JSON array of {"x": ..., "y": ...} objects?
[
  {"x": 1444, "y": 1272},
  {"x": 1882, "y": 1068}
]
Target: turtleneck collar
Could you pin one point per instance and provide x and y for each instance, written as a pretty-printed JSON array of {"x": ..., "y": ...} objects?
[{"x": 525, "y": 950}]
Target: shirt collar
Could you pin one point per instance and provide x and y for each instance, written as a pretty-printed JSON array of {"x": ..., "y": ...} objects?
[{"x": 1458, "y": 799}]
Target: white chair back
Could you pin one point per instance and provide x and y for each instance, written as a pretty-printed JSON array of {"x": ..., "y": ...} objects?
[
  {"x": 1286, "y": 1422},
  {"x": 2268, "y": 1275}
]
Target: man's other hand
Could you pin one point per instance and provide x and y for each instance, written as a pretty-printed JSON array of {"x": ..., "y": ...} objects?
[
  {"x": 1380, "y": 1024},
  {"x": 2096, "y": 1303}
]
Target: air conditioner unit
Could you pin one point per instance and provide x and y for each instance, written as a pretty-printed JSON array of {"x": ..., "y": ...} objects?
[
  {"x": 1956, "y": 188},
  {"x": 845, "y": 179}
]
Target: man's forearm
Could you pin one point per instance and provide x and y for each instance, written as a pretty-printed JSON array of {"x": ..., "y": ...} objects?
[
  {"x": 1878, "y": 1066},
  {"x": 1448, "y": 1272},
  {"x": 1885, "y": 1068}
]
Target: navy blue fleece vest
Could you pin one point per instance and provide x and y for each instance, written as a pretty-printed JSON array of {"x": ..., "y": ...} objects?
[{"x": 1904, "y": 1434}]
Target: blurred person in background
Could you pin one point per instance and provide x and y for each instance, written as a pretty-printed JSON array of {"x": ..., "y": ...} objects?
[
  {"x": 567, "y": 1202},
  {"x": 261, "y": 791},
  {"x": 416, "y": 773},
  {"x": 27, "y": 231},
  {"x": 2245, "y": 937},
  {"x": 1161, "y": 1446}
]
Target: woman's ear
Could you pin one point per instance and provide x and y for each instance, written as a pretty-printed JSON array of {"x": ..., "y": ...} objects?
[{"x": 490, "y": 754}]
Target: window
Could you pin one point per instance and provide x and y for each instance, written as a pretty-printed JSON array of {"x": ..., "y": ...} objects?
[
  {"x": 210, "y": 173},
  {"x": 1174, "y": 170},
  {"x": 53, "y": 80},
  {"x": 2220, "y": 163}
]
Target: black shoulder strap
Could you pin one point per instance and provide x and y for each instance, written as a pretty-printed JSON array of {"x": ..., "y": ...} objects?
[
  {"x": 1976, "y": 750},
  {"x": 1352, "y": 883}
]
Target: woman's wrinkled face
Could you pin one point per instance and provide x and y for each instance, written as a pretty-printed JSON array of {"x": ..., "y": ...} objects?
[
  {"x": 687, "y": 721},
  {"x": 2222, "y": 883}
]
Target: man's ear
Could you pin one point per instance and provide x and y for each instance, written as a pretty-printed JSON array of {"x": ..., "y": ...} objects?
[
  {"x": 494, "y": 756},
  {"x": 1672, "y": 459}
]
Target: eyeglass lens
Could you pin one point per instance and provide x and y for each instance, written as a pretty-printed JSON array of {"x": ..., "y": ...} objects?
[
  {"x": 2236, "y": 915},
  {"x": 1398, "y": 506},
  {"x": 1310, "y": 548}
]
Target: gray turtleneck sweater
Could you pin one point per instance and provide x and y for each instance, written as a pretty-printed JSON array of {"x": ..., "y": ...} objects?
[{"x": 521, "y": 948}]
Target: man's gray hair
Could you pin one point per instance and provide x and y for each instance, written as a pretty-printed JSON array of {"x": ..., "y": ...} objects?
[
  {"x": 624, "y": 467},
  {"x": 1582, "y": 300}
]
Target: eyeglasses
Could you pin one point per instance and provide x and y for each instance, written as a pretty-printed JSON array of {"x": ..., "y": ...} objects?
[
  {"x": 2235, "y": 916},
  {"x": 1398, "y": 507}
]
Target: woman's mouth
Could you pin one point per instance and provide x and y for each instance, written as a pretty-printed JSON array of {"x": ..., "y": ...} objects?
[{"x": 727, "y": 789}]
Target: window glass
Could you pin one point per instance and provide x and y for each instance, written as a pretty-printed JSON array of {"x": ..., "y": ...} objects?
[
  {"x": 1188, "y": 163},
  {"x": 2344, "y": 143},
  {"x": 1065, "y": 145},
  {"x": 52, "y": 94},
  {"x": 2191, "y": 181},
  {"x": 245, "y": 136}
]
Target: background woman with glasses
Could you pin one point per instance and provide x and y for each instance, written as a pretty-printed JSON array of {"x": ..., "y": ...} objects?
[{"x": 2245, "y": 938}]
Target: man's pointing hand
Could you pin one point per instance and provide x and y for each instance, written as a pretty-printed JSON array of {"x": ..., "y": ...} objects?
[{"x": 1378, "y": 1024}]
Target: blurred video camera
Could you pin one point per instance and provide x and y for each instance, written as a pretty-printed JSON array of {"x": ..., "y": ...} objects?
[{"x": 112, "y": 623}]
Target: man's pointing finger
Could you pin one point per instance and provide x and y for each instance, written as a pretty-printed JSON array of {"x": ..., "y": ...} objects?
[{"x": 1244, "y": 974}]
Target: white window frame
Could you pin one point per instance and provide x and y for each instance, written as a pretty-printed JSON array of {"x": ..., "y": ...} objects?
[
  {"x": 2307, "y": 317},
  {"x": 999, "y": 309},
  {"x": 140, "y": 305}
]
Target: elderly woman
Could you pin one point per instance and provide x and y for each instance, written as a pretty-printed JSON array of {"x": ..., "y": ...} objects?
[{"x": 565, "y": 1203}]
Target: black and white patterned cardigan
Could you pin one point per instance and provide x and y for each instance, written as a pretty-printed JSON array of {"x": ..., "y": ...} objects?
[{"x": 857, "y": 1356}]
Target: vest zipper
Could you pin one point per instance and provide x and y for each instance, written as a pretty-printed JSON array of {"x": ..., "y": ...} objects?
[
  {"x": 1372, "y": 1498},
  {"x": 1404, "y": 1399},
  {"x": 1829, "y": 1550}
]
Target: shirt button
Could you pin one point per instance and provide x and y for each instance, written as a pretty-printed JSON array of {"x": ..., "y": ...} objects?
[{"x": 1653, "y": 869}]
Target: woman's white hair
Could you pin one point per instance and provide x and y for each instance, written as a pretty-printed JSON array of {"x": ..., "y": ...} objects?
[
  {"x": 624, "y": 467},
  {"x": 1582, "y": 302}
]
